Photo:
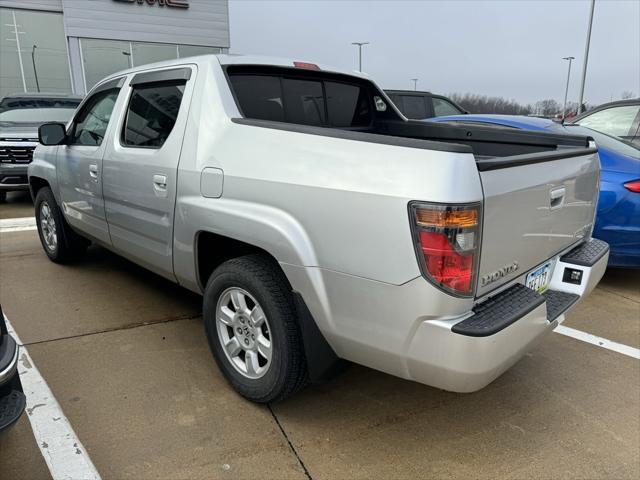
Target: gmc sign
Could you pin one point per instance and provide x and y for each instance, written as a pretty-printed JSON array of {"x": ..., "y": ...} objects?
[{"x": 162, "y": 3}]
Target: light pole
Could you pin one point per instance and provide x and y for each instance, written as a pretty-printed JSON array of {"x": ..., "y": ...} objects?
[
  {"x": 415, "y": 83},
  {"x": 566, "y": 90},
  {"x": 128, "y": 55},
  {"x": 586, "y": 57},
  {"x": 35, "y": 70},
  {"x": 360, "y": 44},
  {"x": 17, "y": 33}
]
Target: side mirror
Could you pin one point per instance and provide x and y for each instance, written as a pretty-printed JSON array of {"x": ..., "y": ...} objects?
[{"x": 52, "y": 134}]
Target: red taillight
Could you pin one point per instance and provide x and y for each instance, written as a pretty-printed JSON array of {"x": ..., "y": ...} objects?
[
  {"x": 633, "y": 186},
  {"x": 447, "y": 266},
  {"x": 447, "y": 241}
]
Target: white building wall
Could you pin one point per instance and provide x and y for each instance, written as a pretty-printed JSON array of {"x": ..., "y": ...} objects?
[
  {"x": 205, "y": 22},
  {"x": 48, "y": 5}
]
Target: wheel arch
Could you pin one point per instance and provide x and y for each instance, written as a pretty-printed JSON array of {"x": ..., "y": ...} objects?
[
  {"x": 213, "y": 249},
  {"x": 36, "y": 184}
]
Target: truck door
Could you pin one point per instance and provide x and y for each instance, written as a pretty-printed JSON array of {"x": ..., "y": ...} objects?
[
  {"x": 141, "y": 166},
  {"x": 79, "y": 164}
]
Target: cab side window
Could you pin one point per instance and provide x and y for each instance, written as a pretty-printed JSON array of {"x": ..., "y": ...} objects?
[
  {"x": 442, "y": 108},
  {"x": 152, "y": 113},
  {"x": 90, "y": 125}
]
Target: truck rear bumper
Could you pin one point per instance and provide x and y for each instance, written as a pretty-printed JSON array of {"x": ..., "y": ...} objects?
[
  {"x": 416, "y": 332},
  {"x": 455, "y": 355}
]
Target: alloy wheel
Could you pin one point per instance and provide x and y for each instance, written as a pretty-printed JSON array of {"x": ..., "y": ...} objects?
[
  {"x": 48, "y": 227},
  {"x": 244, "y": 332}
]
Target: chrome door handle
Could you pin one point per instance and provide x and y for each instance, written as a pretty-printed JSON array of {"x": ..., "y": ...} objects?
[
  {"x": 93, "y": 171},
  {"x": 160, "y": 182},
  {"x": 556, "y": 197}
]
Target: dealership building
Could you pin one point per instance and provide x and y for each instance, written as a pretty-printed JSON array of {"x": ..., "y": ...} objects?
[{"x": 67, "y": 46}]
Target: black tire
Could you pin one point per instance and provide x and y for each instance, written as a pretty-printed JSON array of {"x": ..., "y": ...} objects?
[
  {"x": 3, "y": 196},
  {"x": 263, "y": 279},
  {"x": 69, "y": 246}
]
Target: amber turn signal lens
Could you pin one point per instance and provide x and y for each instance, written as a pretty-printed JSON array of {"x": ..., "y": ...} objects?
[{"x": 447, "y": 218}]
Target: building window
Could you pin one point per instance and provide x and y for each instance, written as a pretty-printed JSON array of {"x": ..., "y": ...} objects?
[
  {"x": 33, "y": 52},
  {"x": 194, "y": 50},
  {"x": 101, "y": 58},
  {"x": 104, "y": 57},
  {"x": 152, "y": 52}
]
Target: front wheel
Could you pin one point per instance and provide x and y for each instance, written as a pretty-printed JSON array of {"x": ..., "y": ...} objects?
[
  {"x": 252, "y": 329},
  {"x": 59, "y": 241}
]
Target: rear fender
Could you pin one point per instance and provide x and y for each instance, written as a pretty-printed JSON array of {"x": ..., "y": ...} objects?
[{"x": 265, "y": 227}]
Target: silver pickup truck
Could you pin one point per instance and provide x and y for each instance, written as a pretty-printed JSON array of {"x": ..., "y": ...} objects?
[{"x": 319, "y": 224}]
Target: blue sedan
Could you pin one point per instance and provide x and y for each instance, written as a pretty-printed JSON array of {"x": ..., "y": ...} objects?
[{"x": 618, "y": 218}]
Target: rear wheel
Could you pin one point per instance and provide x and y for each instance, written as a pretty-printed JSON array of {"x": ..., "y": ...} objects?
[
  {"x": 3, "y": 196},
  {"x": 252, "y": 330},
  {"x": 59, "y": 241}
]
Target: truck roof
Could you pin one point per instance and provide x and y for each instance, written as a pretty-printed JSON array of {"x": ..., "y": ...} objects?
[{"x": 234, "y": 59}]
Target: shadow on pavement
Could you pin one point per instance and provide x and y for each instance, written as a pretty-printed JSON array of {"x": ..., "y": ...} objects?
[{"x": 16, "y": 205}]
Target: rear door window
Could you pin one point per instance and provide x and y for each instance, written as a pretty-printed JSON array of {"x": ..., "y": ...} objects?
[{"x": 152, "y": 113}]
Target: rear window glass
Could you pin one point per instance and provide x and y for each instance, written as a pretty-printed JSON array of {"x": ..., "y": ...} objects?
[
  {"x": 260, "y": 96},
  {"x": 304, "y": 101},
  {"x": 348, "y": 105}
]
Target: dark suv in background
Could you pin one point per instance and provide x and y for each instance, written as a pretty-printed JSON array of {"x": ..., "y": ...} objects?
[
  {"x": 420, "y": 105},
  {"x": 20, "y": 116}
]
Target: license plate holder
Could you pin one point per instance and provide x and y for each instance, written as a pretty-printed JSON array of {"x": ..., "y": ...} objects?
[{"x": 538, "y": 280}]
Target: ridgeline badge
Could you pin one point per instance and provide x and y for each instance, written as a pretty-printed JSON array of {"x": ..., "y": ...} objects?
[
  {"x": 162, "y": 3},
  {"x": 502, "y": 272}
]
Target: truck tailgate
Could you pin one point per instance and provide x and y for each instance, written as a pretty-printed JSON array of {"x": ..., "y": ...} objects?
[{"x": 534, "y": 210}]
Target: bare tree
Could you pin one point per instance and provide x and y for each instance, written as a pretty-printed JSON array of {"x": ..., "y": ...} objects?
[
  {"x": 547, "y": 108},
  {"x": 483, "y": 104},
  {"x": 475, "y": 103},
  {"x": 627, "y": 94}
]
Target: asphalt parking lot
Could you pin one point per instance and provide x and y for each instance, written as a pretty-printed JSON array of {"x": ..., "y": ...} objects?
[{"x": 125, "y": 355}]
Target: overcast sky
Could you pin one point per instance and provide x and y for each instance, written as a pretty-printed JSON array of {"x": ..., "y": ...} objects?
[{"x": 507, "y": 48}]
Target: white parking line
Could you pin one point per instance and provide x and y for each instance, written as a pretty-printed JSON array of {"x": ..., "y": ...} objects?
[
  {"x": 17, "y": 224},
  {"x": 65, "y": 455},
  {"x": 599, "y": 341}
]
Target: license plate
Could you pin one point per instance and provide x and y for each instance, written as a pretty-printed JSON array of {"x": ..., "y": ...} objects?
[{"x": 538, "y": 280}]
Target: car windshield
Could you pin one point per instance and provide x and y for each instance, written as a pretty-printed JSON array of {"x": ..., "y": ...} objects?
[
  {"x": 603, "y": 140},
  {"x": 37, "y": 110}
]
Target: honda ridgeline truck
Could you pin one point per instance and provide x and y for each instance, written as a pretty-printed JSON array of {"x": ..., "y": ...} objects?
[{"x": 320, "y": 224}]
